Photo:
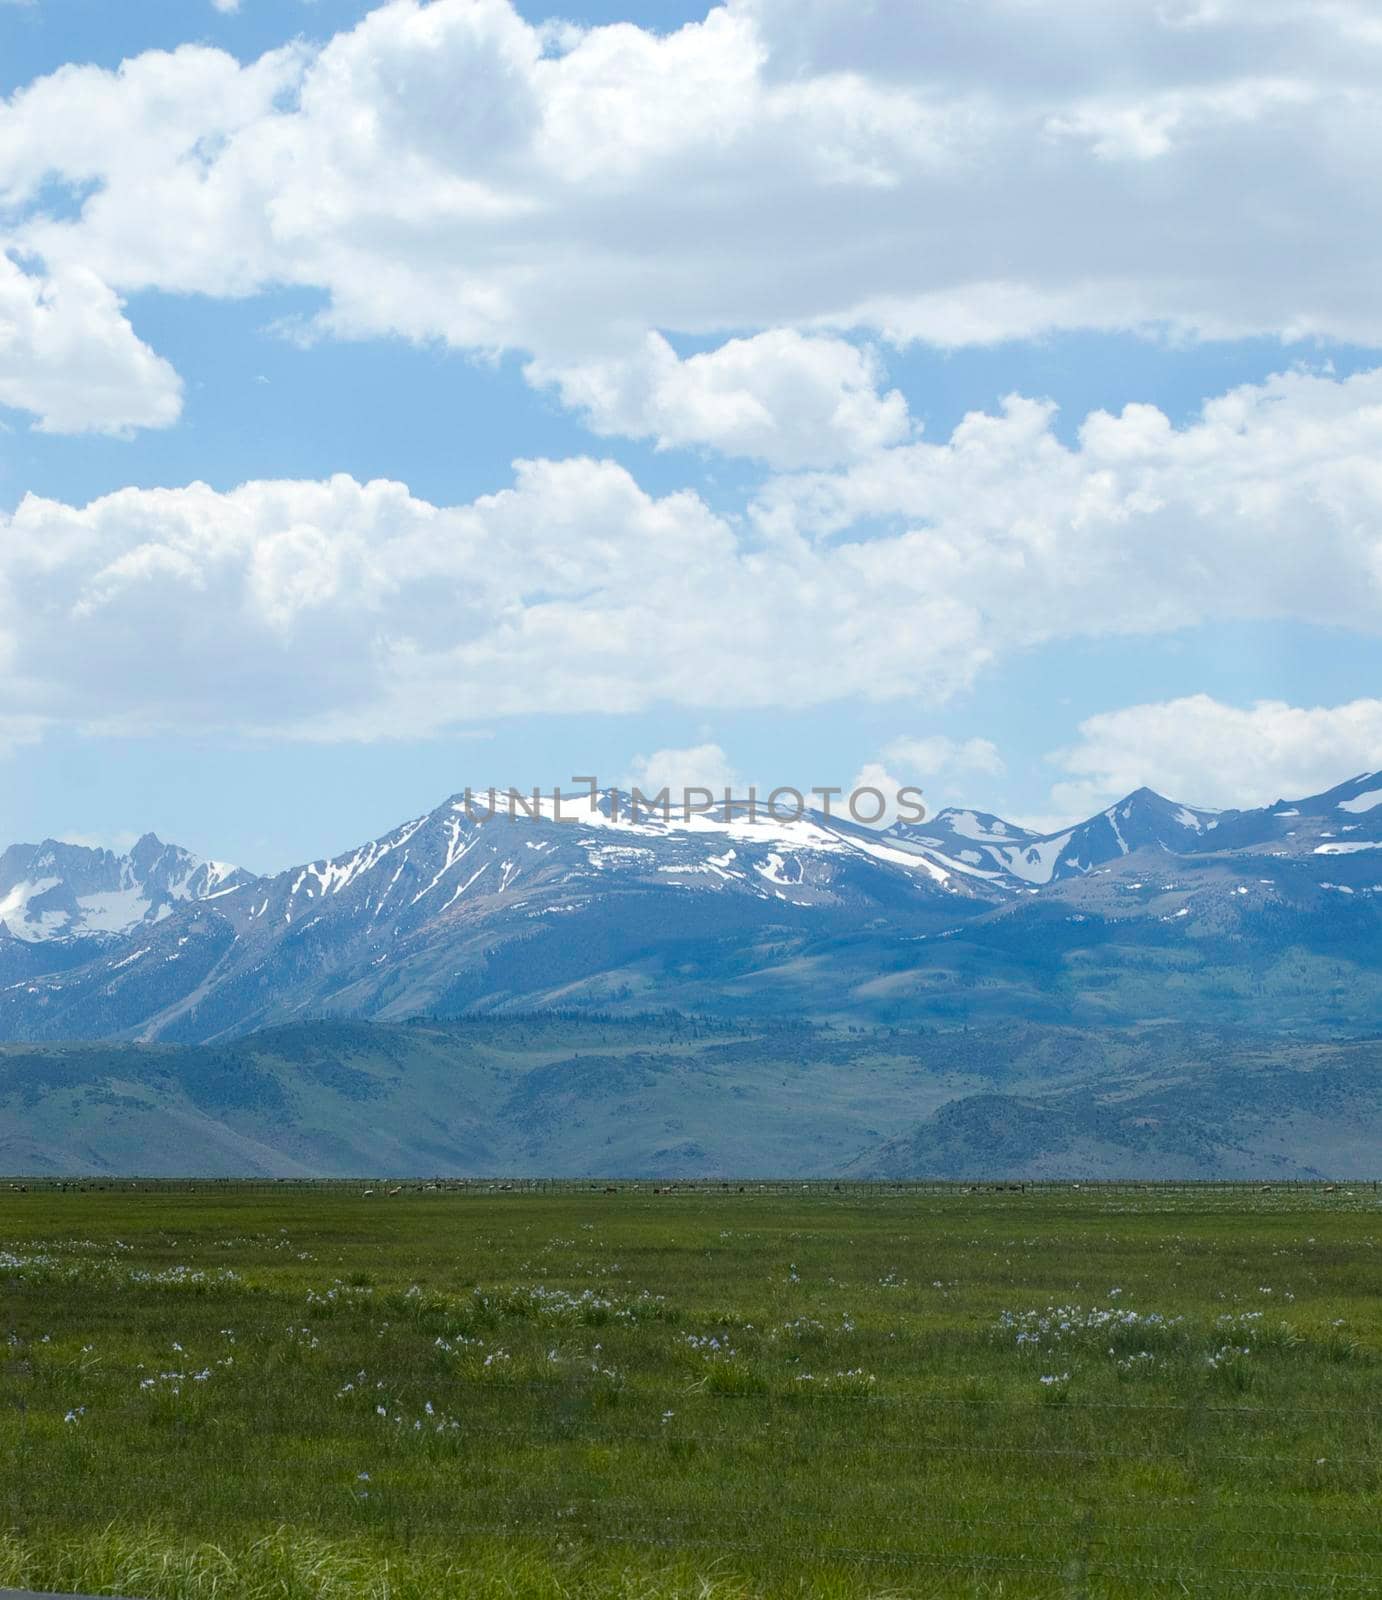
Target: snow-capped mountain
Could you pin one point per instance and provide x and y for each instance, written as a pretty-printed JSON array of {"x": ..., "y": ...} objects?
[
  {"x": 986, "y": 847},
  {"x": 1343, "y": 821},
  {"x": 461, "y": 909},
  {"x": 426, "y": 915},
  {"x": 461, "y": 851},
  {"x": 973, "y": 843},
  {"x": 55, "y": 890}
]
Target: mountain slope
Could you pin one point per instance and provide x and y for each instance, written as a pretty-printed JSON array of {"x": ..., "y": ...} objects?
[
  {"x": 1270, "y": 916},
  {"x": 54, "y": 891},
  {"x": 672, "y": 1096},
  {"x": 429, "y": 916},
  {"x": 1233, "y": 1109},
  {"x": 1011, "y": 856}
]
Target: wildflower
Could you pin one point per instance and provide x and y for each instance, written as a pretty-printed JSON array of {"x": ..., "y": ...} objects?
[{"x": 1226, "y": 1353}]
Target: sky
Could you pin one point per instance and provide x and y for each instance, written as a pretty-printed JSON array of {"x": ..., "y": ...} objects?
[{"x": 395, "y": 398}]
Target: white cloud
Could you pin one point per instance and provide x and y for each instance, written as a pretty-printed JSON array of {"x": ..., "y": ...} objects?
[
  {"x": 68, "y": 356},
  {"x": 701, "y": 766},
  {"x": 1201, "y": 751},
  {"x": 1268, "y": 505},
  {"x": 937, "y": 756},
  {"x": 944, "y": 769},
  {"x": 790, "y": 400},
  {"x": 226, "y": 7},
  {"x": 448, "y": 171},
  {"x": 341, "y": 610},
  {"x": 344, "y": 610},
  {"x": 874, "y": 775}
]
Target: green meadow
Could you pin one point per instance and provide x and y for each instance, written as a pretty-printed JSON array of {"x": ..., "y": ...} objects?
[{"x": 266, "y": 1393}]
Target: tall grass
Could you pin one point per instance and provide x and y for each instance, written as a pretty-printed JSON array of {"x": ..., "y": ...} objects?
[{"x": 263, "y": 1397}]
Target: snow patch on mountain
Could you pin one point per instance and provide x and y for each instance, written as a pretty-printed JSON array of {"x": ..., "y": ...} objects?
[
  {"x": 56, "y": 890},
  {"x": 982, "y": 828},
  {"x": 1036, "y": 863},
  {"x": 1362, "y": 802}
]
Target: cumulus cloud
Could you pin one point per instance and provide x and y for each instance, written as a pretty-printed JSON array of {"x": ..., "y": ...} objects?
[
  {"x": 937, "y": 755},
  {"x": 69, "y": 357},
  {"x": 1202, "y": 751},
  {"x": 1267, "y": 505},
  {"x": 451, "y": 172},
  {"x": 873, "y": 775},
  {"x": 701, "y": 766},
  {"x": 342, "y": 610},
  {"x": 786, "y": 399},
  {"x": 347, "y": 610},
  {"x": 943, "y": 768}
]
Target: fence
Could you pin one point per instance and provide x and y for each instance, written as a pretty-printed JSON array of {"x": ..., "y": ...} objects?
[{"x": 822, "y": 1187}]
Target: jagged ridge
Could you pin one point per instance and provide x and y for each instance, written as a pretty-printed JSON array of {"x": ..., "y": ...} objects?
[{"x": 456, "y": 911}]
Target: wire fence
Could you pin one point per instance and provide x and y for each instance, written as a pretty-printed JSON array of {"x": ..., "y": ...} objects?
[{"x": 390, "y": 1185}]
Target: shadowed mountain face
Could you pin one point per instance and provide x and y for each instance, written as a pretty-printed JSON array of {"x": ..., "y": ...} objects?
[{"x": 1150, "y": 909}]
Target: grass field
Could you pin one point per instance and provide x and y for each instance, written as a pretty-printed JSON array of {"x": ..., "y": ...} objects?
[{"x": 323, "y": 1392}]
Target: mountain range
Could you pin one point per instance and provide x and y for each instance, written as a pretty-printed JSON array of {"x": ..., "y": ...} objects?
[
  {"x": 1150, "y": 909},
  {"x": 1159, "y": 991}
]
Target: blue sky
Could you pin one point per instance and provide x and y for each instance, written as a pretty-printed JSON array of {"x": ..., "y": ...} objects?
[
  {"x": 1146, "y": 600},
  {"x": 45, "y": 35}
]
